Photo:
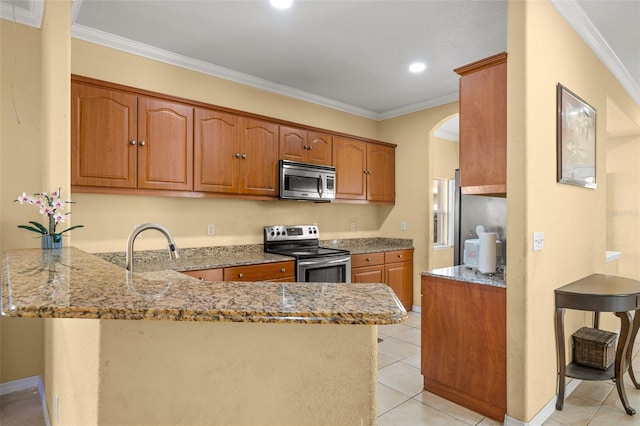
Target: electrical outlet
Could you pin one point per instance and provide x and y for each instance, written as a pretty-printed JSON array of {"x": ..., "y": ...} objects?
[
  {"x": 352, "y": 226},
  {"x": 211, "y": 229},
  {"x": 538, "y": 241},
  {"x": 403, "y": 226}
]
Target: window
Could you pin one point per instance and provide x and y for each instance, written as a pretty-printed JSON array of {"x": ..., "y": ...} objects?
[{"x": 443, "y": 197}]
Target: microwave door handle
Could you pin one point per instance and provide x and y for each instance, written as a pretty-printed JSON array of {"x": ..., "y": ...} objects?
[{"x": 320, "y": 186}]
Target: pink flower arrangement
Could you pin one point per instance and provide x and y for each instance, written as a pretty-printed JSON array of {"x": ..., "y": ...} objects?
[{"x": 50, "y": 205}]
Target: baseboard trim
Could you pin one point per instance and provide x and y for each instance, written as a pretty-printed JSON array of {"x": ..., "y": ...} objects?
[
  {"x": 546, "y": 412},
  {"x": 26, "y": 383}
]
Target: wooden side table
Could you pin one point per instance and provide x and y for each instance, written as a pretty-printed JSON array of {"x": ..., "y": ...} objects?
[{"x": 600, "y": 293}]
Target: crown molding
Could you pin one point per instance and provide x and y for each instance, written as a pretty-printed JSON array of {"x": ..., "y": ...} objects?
[
  {"x": 31, "y": 16},
  {"x": 575, "y": 16}
]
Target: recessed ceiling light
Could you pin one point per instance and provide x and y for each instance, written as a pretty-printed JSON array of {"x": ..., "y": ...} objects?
[
  {"x": 281, "y": 4},
  {"x": 417, "y": 67}
]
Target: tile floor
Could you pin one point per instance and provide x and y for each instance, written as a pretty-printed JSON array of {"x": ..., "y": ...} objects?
[{"x": 403, "y": 402}]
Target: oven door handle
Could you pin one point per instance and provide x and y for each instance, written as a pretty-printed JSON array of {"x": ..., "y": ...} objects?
[{"x": 325, "y": 261}]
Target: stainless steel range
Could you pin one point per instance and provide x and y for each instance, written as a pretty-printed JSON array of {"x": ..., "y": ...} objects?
[{"x": 313, "y": 263}]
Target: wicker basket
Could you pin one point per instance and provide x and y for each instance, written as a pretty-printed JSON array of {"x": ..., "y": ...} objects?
[{"x": 594, "y": 348}]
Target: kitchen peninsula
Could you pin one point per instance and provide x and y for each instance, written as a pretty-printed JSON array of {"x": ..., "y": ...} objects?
[
  {"x": 464, "y": 345},
  {"x": 198, "y": 352}
]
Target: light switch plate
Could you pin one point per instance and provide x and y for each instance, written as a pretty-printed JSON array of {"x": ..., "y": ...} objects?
[{"x": 538, "y": 241}]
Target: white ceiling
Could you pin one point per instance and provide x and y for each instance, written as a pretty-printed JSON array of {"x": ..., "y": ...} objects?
[{"x": 351, "y": 54}]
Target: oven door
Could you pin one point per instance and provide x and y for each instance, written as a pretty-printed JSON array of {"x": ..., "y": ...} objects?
[{"x": 325, "y": 269}]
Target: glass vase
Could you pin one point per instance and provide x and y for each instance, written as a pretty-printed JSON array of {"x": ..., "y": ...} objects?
[{"x": 49, "y": 242}]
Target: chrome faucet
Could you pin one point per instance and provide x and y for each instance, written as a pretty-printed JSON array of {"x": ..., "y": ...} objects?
[{"x": 173, "y": 251}]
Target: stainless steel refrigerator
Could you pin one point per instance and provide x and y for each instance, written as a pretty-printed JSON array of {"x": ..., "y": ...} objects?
[{"x": 473, "y": 210}]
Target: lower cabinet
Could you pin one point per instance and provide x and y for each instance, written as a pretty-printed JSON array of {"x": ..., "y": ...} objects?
[
  {"x": 398, "y": 274},
  {"x": 464, "y": 355},
  {"x": 206, "y": 274},
  {"x": 394, "y": 268},
  {"x": 278, "y": 271}
]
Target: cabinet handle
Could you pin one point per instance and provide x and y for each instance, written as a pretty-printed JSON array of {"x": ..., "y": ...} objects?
[
  {"x": 283, "y": 270},
  {"x": 241, "y": 275},
  {"x": 368, "y": 259},
  {"x": 132, "y": 142},
  {"x": 400, "y": 256},
  {"x": 201, "y": 278},
  {"x": 142, "y": 143},
  {"x": 244, "y": 156},
  {"x": 237, "y": 155}
]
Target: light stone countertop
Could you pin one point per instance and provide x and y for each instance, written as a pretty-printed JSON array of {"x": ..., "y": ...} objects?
[
  {"x": 70, "y": 283},
  {"x": 462, "y": 273},
  {"x": 249, "y": 254}
]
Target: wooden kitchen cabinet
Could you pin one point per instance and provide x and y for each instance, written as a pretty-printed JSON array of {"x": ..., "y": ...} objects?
[
  {"x": 394, "y": 268},
  {"x": 306, "y": 146},
  {"x": 103, "y": 125},
  {"x": 367, "y": 268},
  {"x": 398, "y": 274},
  {"x": 206, "y": 274},
  {"x": 364, "y": 171},
  {"x": 278, "y": 271},
  {"x": 464, "y": 356},
  {"x": 121, "y": 140},
  {"x": 165, "y": 144},
  {"x": 483, "y": 126},
  {"x": 235, "y": 154}
]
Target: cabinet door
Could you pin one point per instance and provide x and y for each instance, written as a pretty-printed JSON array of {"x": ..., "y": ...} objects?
[
  {"x": 293, "y": 144},
  {"x": 103, "y": 128},
  {"x": 350, "y": 159},
  {"x": 305, "y": 146},
  {"x": 368, "y": 274},
  {"x": 464, "y": 357},
  {"x": 216, "y": 151},
  {"x": 399, "y": 276},
  {"x": 483, "y": 127},
  {"x": 165, "y": 145},
  {"x": 320, "y": 148},
  {"x": 381, "y": 173},
  {"x": 259, "y": 157}
]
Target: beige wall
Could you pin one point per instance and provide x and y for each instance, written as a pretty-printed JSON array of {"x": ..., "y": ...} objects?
[
  {"x": 414, "y": 177},
  {"x": 544, "y": 50},
  {"x": 34, "y": 153}
]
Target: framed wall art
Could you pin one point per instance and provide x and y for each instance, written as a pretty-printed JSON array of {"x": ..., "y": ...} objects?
[{"x": 576, "y": 139}]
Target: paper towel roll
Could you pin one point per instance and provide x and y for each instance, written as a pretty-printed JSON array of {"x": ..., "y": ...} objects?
[{"x": 487, "y": 252}]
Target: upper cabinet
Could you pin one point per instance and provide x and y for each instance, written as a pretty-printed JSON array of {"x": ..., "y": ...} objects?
[
  {"x": 365, "y": 171},
  {"x": 131, "y": 141},
  {"x": 234, "y": 154},
  {"x": 306, "y": 146},
  {"x": 120, "y": 140},
  {"x": 483, "y": 126}
]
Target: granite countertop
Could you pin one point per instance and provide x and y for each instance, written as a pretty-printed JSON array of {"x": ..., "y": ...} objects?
[
  {"x": 462, "y": 273},
  {"x": 70, "y": 283},
  {"x": 238, "y": 255},
  {"x": 369, "y": 245}
]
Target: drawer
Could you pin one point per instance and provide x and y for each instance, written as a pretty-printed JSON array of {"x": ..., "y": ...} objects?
[
  {"x": 206, "y": 274},
  {"x": 398, "y": 256},
  {"x": 262, "y": 272},
  {"x": 367, "y": 259}
]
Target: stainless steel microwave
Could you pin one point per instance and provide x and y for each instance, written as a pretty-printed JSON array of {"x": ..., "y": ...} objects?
[{"x": 303, "y": 181}]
